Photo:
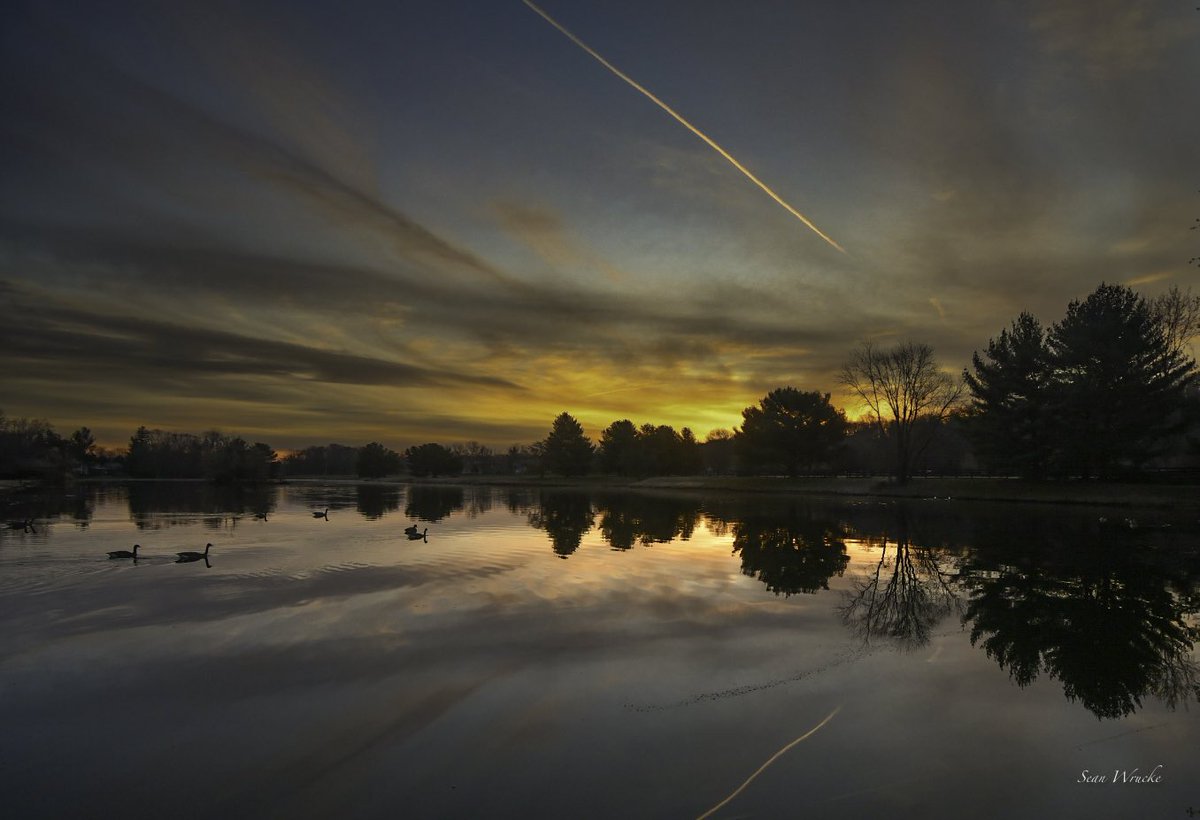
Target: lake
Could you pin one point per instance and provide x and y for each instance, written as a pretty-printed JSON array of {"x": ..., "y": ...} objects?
[{"x": 560, "y": 654}]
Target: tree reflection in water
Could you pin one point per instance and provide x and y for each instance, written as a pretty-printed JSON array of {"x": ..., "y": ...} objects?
[
  {"x": 630, "y": 519},
  {"x": 432, "y": 503},
  {"x": 158, "y": 504},
  {"x": 565, "y": 516},
  {"x": 374, "y": 501},
  {"x": 910, "y": 591},
  {"x": 789, "y": 552},
  {"x": 1112, "y": 621}
]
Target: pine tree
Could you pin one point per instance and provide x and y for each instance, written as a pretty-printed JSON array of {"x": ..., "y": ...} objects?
[
  {"x": 1010, "y": 391},
  {"x": 567, "y": 451},
  {"x": 1118, "y": 387}
]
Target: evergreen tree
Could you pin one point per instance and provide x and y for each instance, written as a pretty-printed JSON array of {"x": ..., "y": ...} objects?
[
  {"x": 1009, "y": 422},
  {"x": 618, "y": 448},
  {"x": 690, "y": 460},
  {"x": 567, "y": 451},
  {"x": 432, "y": 460},
  {"x": 376, "y": 461},
  {"x": 791, "y": 428},
  {"x": 1118, "y": 386}
]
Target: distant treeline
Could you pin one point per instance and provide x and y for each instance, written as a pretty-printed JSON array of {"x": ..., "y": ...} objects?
[{"x": 1108, "y": 392}]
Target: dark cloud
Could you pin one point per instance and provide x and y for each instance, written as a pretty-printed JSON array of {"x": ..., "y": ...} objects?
[
  {"x": 82, "y": 108},
  {"x": 46, "y": 336}
]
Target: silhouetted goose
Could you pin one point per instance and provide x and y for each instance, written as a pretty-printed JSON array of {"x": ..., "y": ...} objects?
[
  {"x": 418, "y": 536},
  {"x": 184, "y": 557},
  {"x": 324, "y": 515},
  {"x": 26, "y": 525},
  {"x": 125, "y": 553},
  {"x": 411, "y": 529}
]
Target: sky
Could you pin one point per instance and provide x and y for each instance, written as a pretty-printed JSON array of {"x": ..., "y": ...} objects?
[{"x": 407, "y": 222}]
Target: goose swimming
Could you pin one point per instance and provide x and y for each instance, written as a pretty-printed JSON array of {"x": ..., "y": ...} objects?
[
  {"x": 184, "y": 557},
  {"x": 125, "y": 553}
]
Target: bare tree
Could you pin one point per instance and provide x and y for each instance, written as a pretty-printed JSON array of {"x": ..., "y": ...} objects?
[
  {"x": 899, "y": 388},
  {"x": 1178, "y": 314}
]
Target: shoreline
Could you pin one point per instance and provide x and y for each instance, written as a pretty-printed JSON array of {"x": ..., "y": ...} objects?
[
  {"x": 1003, "y": 490},
  {"x": 1006, "y": 490}
]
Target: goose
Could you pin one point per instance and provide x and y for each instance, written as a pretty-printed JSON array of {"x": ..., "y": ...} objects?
[
  {"x": 184, "y": 557},
  {"x": 418, "y": 536},
  {"x": 324, "y": 515},
  {"x": 125, "y": 553},
  {"x": 411, "y": 529}
]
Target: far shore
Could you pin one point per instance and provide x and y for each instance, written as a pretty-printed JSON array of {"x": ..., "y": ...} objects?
[
  {"x": 1093, "y": 493},
  {"x": 943, "y": 489}
]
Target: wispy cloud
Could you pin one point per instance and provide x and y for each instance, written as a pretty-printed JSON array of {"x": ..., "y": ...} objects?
[
  {"x": 1108, "y": 38},
  {"x": 545, "y": 234}
]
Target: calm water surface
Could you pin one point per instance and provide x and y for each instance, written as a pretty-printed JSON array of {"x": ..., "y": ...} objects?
[{"x": 566, "y": 655}]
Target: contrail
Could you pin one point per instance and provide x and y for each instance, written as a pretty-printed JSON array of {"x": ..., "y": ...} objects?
[{"x": 708, "y": 140}]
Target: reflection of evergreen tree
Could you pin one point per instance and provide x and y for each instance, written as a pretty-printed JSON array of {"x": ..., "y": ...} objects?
[
  {"x": 1104, "y": 617},
  {"x": 565, "y": 516},
  {"x": 629, "y": 519},
  {"x": 427, "y": 503},
  {"x": 376, "y": 500},
  {"x": 790, "y": 553}
]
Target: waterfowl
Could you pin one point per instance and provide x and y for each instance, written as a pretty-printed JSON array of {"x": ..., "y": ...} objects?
[
  {"x": 125, "y": 553},
  {"x": 418, "y": 536},
  {"x": 324, "y": 515},
  {"x": 184, "y": 557},
  {"x": 25, "y": 525},
  {"x": 410, "y": 529}
]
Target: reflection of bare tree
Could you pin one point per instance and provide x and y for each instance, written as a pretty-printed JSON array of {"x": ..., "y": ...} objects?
[
  {"x": 1177, "y": 679},
  {"x": 478, "y": 499},
  {"x": 518, "y": 500},
  {"x": 906, "y": 596}
]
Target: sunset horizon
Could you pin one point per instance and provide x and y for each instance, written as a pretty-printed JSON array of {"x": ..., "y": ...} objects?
[{"x": 453, "y": 223}]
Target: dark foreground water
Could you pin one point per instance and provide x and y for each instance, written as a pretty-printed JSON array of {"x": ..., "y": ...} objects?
[{"x": 565, "y": 655}]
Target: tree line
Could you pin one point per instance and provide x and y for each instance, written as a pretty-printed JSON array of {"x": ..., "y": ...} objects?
[{"x": 1106, "y": 392}]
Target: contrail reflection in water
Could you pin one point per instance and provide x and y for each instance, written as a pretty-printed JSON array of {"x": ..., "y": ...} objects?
[
  {"x": 771, "y": 760},
  {"x": 708, "y": 140}
]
